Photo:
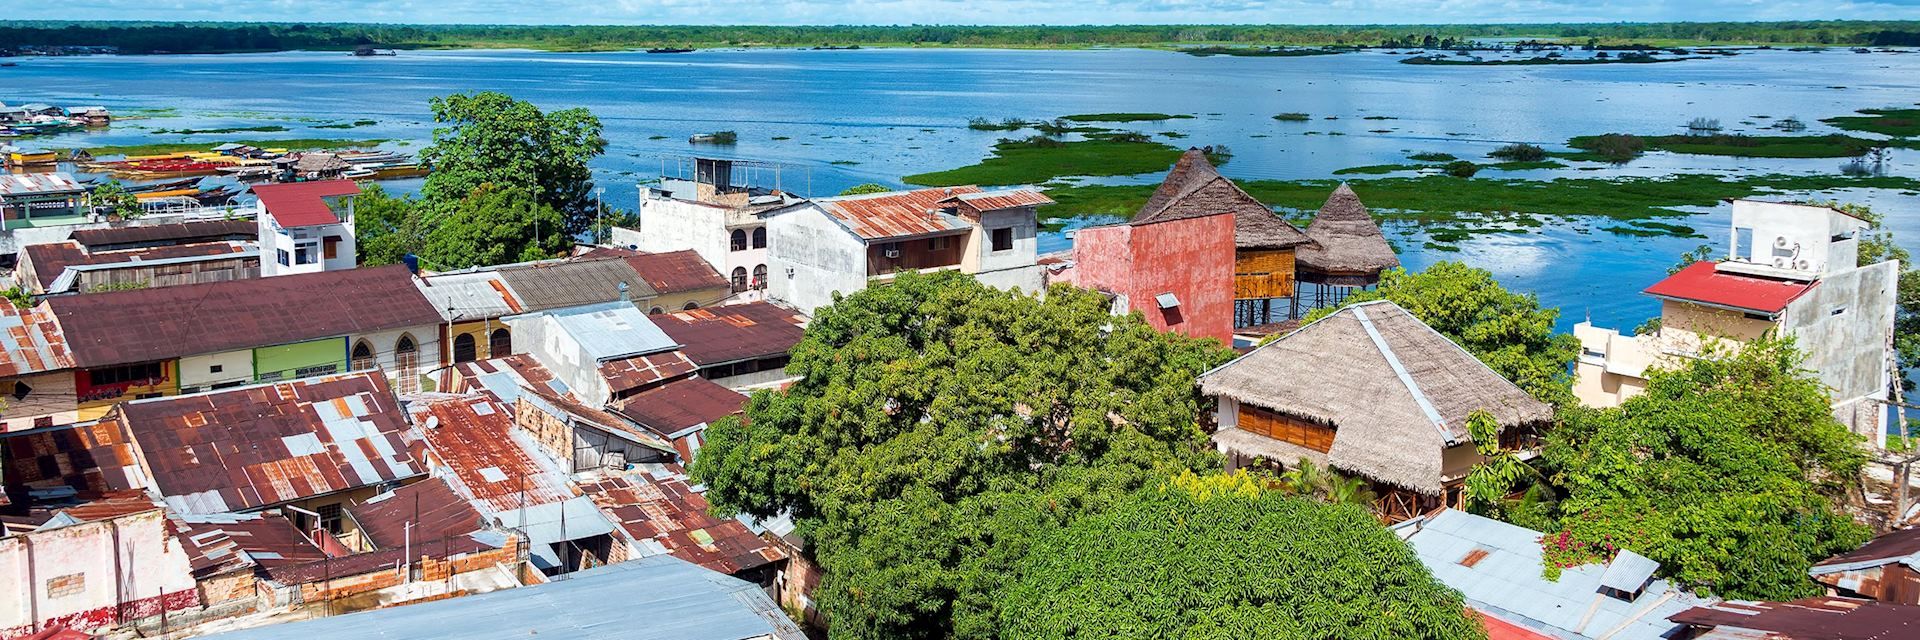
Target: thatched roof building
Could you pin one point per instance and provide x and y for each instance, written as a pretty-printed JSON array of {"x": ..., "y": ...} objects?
[
  {"x": 1348, "y": 248},
  {"x": 316, "y": 162},
  {"x": 1194, "y": 188},
  {"x": 1391, "y": 394}
]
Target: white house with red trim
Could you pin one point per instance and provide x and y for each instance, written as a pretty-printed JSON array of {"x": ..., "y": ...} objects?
[
  {"x": 306, "y": 227},
  {"x": 1793, "y": 270}
]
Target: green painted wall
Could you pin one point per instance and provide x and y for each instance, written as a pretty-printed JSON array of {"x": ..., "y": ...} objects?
[{"x": 284, "y": 362}]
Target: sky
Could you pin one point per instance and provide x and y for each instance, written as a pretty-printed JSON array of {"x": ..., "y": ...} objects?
[{"x": 820, "y": 12}]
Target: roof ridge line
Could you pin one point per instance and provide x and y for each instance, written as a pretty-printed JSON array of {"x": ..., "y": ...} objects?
[{"x": 1393, "y": 360}]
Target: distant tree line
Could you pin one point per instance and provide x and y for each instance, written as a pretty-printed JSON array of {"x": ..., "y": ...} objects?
[{"x": 210, "y": 37}]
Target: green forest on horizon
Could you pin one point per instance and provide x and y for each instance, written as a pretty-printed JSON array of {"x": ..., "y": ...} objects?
[{"x": 222, "y": 37}]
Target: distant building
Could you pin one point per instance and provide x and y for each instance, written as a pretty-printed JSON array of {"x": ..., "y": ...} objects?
[
  {"x": 683, "y": 281},
  {"x": 602, "y": 352},
  {"x": 1498, "y": 567},
  {"x": 1348, "y": 252},
  {"x": 94, "y": 565},
  {"x": 1792, "y": 271},
  {"x": 1824, "y": 618},
  {"x": 713, "y": 207},
  {"x": 305, "y": 227},
  {"x": 1885, "y": 569},
  {"x": 30, "y": 200},
  {"x": 821, "y": 247},
  {"x": 1374, "y": 392},
  {"x": 69, "y": 267},
  {"x": 36, "y": 371}
]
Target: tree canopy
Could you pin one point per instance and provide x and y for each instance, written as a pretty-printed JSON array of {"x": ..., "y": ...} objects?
[
  {"x": 939, "y": 426},
  {"x": 1509, "y": 331},
  {"x": 1728, "y": 471},
  {"x": 1179, "y": 560}
]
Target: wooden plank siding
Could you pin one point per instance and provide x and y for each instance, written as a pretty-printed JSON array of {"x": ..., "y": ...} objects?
[
  {"x": 1263, "y": 274},
  {"x": 922, "y": 253},
  {"x": 1286, "y": 429}
]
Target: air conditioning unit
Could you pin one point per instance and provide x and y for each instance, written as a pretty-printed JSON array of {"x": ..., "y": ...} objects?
[
  {"x": 1782, "y": 262},
  {"x": 890, "y": 253},
  {"x": 1802, "y": 264},
  {"x": 1780, "y": 242}
]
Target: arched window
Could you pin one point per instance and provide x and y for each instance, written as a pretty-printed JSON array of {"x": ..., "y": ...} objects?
[
  {"x": 739, "y": 239},
  {"x": 691, "y": 305},
  {"x": 463, "y": 348},
  {"x": 406, "y": 354},
  {"x": 760, "y": 277},
  {"x": 656, "y": 311},
  {"x": 499, "y": 343},
  {"x": 739, "y": 279},
  {"x": 759, "y": 237},
  {"x": 362, "y": 356}
]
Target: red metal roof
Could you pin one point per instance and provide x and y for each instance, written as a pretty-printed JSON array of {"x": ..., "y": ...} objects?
[
  {"x": 998, "y": 200},
  {"x": 166, "y": 233},
  {"x": 627, "y": 374},
  {"x": 27, "y": 184},
  {"x": 300, "y": 204},
  {"x": 263, "y": 445},
  {"x": 422, "y": 512},
  {"x": 683, "y": 403},
  {"x": 895, "y": 214},
  {"x": 94, "y": 457},
  {"x": 658, "y": 509},
  {"x": 31, "y": 342},
  {"x": 1700, "y": 282},
  {"x": 1822, "y": 618},
  {"x": 1498, "y": 629},
  {"x": 473, "y": 436},
  {"x": 718, "y": 335},
  {"x": 676, "y": 271},
  {"x": 50, "y": 260}
]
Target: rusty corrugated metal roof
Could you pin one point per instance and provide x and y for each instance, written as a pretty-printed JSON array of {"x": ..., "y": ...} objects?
[
  {"x": 1002, "y": 199},
  {"x": 427, "y": 510},
  {"x": 473, "y": 437},
  {"x": 731, "y": 333},
  {"x": 94, "y": 457},
  {"x": 31, "y": 342},
  {"x": 220, "y": 543},
  {"x": 663, "y": 514},
  {"x": 639, "y": 371},
  {"x": 680, "y": 404},
  {"x": 252, "y": 447},
  {"x": 1821, "y": 618},
  {"x": 25, "y": 184},
  {"x": 896, "y": 214}
]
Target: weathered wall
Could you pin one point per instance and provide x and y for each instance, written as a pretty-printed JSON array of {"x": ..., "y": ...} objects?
[
  {"x": 671, "y": 302},
  {"x": 203, "y": 371},
  {"x": 1845, "y": 324},
  {"x": 538, "y": 336},
  {"x": 49, "y": 401},
  {"x": 667, "y": 224},
  {"x": 1192, "y": 258},
  {"x": 1103, "y": 259},
  {"x": 982, "y": 258},
  {"x": 300, "y": 360},
  {"x": 385, "y": 345},
  {"x": 168, "y": 275},
  {"x": 824, "y": 259},
  {"x": 92, "y": 574},
  {"x": 1263, "y": 274},
  {"x": 95, "y": 402}
]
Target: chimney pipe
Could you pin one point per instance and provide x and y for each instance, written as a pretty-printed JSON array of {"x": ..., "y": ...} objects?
[{"x": 623, "y": 291}]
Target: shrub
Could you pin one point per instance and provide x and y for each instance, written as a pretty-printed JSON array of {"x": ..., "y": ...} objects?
[
  {"x": 1462, "y": 168},
  {"x": 1520, "y": 152},
  {"x": 1619, "y": 148}
]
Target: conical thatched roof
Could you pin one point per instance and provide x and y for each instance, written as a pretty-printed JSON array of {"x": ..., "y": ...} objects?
[
  {"x": 1396, "y": 392},
  {"x": 1346, "y": 241},
  {"x": 1194, "y": 189}
]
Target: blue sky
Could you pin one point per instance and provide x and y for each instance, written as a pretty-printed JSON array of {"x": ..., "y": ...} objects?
[{"x": 959, "y": 11}]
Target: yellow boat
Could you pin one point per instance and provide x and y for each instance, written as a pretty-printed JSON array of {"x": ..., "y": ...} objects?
[
  {"x": 151, "y": 195},
  {"x": 27, "y": 158}
]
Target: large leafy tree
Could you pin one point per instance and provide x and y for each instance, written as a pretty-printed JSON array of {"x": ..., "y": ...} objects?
[
  {"x": 1222, "y": 556},
  {"x": 491, "y": 138},
  {"x": 495, "y": 225},
  {"x": 387, "y": 226},
  {"x": 1728, "y": 471},
  {"x": 1509, "y": 331},
  {"x": 939, "y": 426}
]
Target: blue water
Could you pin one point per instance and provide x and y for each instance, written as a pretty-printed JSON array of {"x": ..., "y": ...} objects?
[{"x": 885, "y": 113}]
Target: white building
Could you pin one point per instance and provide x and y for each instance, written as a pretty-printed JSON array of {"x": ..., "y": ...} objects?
[
  {"x": 712, "y": 215},
  {"x": 826, "y": 246},
  {"x": 1793, "y": 271},
  {"x": 602, "y": 352},
  {"x": 306, "y": 227}
]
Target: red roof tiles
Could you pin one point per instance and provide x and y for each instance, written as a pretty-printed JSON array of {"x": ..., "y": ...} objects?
[
  {"x": 658, "y": 509},
  {"x": 676, "y": 271},
  {"x": 895, "y": 214},
  {"x": 1700, "y": 282},
  {"x": 254, "y": 447},
  {"x": 143, "y": 325},
  {"x": 718, "y": 335},
  {"x": 300, "y": 204}
]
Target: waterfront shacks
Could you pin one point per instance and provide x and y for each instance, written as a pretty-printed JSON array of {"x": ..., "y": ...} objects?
[
  {"x": 33, "y": 199},
  {"x": 1370, "y": 391}
]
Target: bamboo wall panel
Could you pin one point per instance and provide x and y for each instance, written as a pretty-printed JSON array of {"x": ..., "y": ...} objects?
[{"x": 1263, "y": 274}]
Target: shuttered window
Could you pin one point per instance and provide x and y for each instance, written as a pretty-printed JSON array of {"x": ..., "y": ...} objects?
[{"x": 1273, "y": 425}]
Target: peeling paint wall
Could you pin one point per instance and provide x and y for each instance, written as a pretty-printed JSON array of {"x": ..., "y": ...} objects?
[
  {"x": 92, "y": 574},
  {"x": 824, "y": 259}
]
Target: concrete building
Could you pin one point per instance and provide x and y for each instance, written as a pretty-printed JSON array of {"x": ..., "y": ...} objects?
[
  {"x": 713, "y": 207},
  {"x": 1793, "y": 271},
  {"x": 827, "y": 246},
  {"x": 93, "y": 566},
  {"x": 306, "y": 227},
  {"x": 602, "y": 352}
]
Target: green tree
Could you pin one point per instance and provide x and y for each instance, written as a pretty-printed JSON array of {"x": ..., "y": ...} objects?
[
  {"x": 491, "y": 138},
  {"x": 112, "y": 199},
  {"x": 387, "y": 227},
  {"x": 866, "y": 188},
  {"x": 494, "y": 225},
  {"x": 1728, "y": 471},
  {"x": 939, "y": 425},
  {"x": 1222, "y": 557},
  {"x": 1509, "y": 331}
]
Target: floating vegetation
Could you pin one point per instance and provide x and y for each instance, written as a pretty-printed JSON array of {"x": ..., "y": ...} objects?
[
  {"x": 1899, "y": 123},
  {"x": 346, "y": 125},
  {"x": 1261, "y": 52},
  {"x": 1009, "y": 124},
  {"x": 1519, "y": 152},
  {"x": 1293, "y": 117},
  {"x": 1039, "y": 159},
  {"x": 1432, "y": 156},
  {"x": 1739, "y": 145},
  {"x": 1122, "y": 117},
  {"x": 267, "y": 128},
  {"x": 844, "y": 162}
]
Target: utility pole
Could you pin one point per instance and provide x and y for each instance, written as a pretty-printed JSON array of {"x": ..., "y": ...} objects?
[{"x": 598, "y": 212}]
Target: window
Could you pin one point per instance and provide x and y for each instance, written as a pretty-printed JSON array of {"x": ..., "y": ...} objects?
[
  {"x": 759, "y": 237},
  {"x": 656, "y": 311},
  {"x": 939, "y": 244},
  {"x": 362, "y": 356},
  {"x": 284, "y": 260},
  {"x": 1285, "y": 428},
  {"x": 330, "y": 518},
  {"x": 1003, "y": 239},
  {"x": 216, "y": 368},
  {"x": 20, "y": 390},
  {"x": 739, "y": 279},
  {"x": 133, "y": 373},
  {"x": 739, "y": 239},
  {"x": 690, "y": 306},
  {"x": 499, "y": 343},
  {"x": 760, "y": 277},
  {"x": 463, "y": 348},
  {"x": 406, "y": 355},
  {"x": 303, "y": 253}
]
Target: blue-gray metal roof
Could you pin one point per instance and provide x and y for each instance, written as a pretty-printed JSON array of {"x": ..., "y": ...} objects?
[
  {"x": 654, "y": 598},
  {"x": 612, "y": 330},
  {"x": 1507, "y": 582}
]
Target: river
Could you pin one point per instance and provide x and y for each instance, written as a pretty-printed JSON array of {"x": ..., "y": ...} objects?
[{"x": 838, "y": 118}]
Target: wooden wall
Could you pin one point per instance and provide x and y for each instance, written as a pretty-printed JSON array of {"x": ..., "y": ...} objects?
[
  {"x": 1286, "y": 429},
  {"x": 1263, "y": 274}
]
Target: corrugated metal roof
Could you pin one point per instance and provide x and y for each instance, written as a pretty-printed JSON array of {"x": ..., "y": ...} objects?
[
  {"x": 657, "y": 508},
  {"x": 503, "y": 378},
  {"x": 301, "y": 204},
  {"x": 608, "y": 331},
  {"x": 562, "y": 405},
  {"x": 1701, "y": 282},
  {"x": 572, "y": 283},
  {"x": 51, "y": 259},
  {"x": 93, "y": 457},
  {"x": 468, "y": 295},
  {"x": 473, "y": 437},
  {"x": 1507, "y": 582},
  {"x": 626, "y": 374},
  {"x": 1002, "y": 199},
  {"x": 173, "y": 232},
  {"x": 676, "y": 271},
  {"x": 896, "y": 214},
  {"x": 657, "y": 598},
  {"x": 31, "y": 342},
  {"x": 1822, "y": 618},
  {"x": 674, "y": 406},
  {"x": 427, "y": 510},
  {"x": 35, "y": 184},
  {"x": 252, "y": 447},
  {"x": 731, "y": 333}
]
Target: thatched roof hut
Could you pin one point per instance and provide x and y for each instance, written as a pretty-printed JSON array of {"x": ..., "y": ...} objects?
[
  {"x": 315, "y": 162},
  {"x": 1395, "y": 392},
  {"x": 1348, "y": 248},
  {"x": 1195, "y": 189}
]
